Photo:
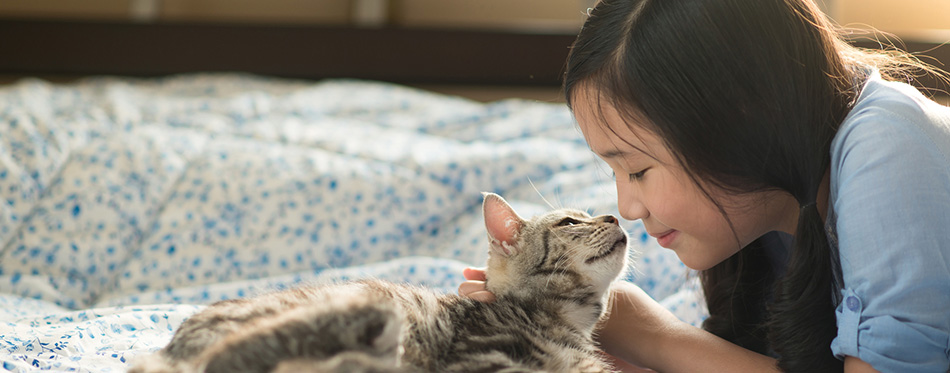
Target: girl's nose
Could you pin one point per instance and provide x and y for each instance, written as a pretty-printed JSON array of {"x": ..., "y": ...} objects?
[{"x": 631, "y": 208}]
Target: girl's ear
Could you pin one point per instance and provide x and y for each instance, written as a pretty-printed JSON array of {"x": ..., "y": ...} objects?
[{"x": 503, "y": 224}]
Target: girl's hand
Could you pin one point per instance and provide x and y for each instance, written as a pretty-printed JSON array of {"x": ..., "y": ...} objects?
[
  {"x": 634, "y": 325},
  {"x": 475, "y": 286}
]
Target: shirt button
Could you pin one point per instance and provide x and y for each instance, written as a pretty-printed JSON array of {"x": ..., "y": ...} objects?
[{"x": 853, "y": 303}]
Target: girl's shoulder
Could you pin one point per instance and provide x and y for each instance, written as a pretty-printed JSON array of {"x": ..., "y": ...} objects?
[
  {"x": 894, "y": 114},
  {"x": 891, "y": 153},
  {"x": 892, "y": 120}
]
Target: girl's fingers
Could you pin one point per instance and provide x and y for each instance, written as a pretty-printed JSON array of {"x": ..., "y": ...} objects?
[
  {"x": 471, "y": 286},
  {"x": 483, "y": 296},
  {"x": 474, "y": 274},
  {"x": 476, "y": 290}
]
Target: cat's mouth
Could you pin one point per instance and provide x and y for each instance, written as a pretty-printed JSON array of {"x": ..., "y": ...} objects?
[{"x": 618, "y": 245}]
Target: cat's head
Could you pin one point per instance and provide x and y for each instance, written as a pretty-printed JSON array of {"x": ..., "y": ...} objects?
[{"x": 564, "y": 252}]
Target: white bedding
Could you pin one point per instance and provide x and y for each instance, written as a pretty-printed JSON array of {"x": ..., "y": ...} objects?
[{"x": 129, "y": 204}]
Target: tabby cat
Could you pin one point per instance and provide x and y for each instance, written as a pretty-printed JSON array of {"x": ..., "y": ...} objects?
[{"x": 550, "y": 275}]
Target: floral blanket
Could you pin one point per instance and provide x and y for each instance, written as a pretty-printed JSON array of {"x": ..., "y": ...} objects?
[{"x": 128, "y": 204}]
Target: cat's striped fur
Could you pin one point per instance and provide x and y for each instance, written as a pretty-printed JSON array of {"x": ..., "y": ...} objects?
[{"x": 550, "y": 275}]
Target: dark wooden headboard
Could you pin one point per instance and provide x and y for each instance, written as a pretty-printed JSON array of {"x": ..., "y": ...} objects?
[{"x": 400, "y": 55}]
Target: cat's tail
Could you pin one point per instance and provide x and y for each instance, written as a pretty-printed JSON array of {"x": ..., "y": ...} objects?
[{"x": 344, "y": 334}]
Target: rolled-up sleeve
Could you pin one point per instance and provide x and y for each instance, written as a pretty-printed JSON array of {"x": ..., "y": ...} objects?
[
  {"x": 891, "y": 195},
  {"x": 887, "y": 343}
]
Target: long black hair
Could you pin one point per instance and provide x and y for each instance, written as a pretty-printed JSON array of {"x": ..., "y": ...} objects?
[{"x": 747, "y": 95}]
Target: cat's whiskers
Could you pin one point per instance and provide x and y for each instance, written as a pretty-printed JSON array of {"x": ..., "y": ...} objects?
[{"x": 536, "y": 190}]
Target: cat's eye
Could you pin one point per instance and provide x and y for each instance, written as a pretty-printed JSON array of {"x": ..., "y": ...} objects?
[{"x": 567, "y": 222}]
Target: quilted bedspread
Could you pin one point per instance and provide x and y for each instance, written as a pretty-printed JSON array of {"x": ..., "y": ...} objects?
[{"x": 126, "y": 205}]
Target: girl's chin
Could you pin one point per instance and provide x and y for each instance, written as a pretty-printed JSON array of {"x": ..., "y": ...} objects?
[
  {"x": 698, "y": 258},
  {"x": 689, "y": 257}
]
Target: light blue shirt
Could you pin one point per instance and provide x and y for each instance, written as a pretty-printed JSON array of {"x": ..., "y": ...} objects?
[{"x": 889, "y": 215}]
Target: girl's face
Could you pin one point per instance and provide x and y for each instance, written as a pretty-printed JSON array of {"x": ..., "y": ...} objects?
[{"x": 653, "y": 187}]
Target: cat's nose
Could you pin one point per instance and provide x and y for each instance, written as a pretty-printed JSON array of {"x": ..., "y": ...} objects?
[{"x": 611, "y": 219}]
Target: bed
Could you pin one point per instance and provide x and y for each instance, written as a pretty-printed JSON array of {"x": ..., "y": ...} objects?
[{"x": 129, "y": 204}]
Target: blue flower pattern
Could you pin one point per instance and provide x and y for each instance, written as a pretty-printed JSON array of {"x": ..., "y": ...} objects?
[{"x": 129, "y": 204}]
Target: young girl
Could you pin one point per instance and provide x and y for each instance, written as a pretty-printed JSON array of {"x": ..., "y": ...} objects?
[{"x": 811, "y": 191}]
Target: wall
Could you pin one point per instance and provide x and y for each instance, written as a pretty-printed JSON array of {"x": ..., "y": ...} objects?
[
  {"x": 539, "y": 15},
  {"x": 913, "y": 18},
  {"x": 257, "y": 11},
  {"x": 532, "y": 15},
  {"x": 921, "y": 20},
  {"x": 243, "y": 11},
  {"x": 66, "y": 9}
]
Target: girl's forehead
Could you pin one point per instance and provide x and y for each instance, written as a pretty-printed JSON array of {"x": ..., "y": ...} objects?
[{"x": 609, "y": 133}]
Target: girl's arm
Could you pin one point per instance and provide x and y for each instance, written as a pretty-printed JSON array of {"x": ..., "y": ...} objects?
[
  {"x": 661, "y": 341},
  {"x": 641, "y": 331},
  {"x": 856, "y": 365}
]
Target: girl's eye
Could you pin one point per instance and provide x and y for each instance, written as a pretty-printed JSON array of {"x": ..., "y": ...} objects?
[
  {"x": 638, "y": 176},
  {"x": 632, "y": 177},
  {"x": 567, "y": 222}
]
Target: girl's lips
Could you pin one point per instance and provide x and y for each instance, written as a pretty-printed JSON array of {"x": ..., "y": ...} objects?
[{"x": 665, "y": 239}]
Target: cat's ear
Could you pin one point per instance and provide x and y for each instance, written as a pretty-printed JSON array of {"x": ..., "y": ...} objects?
[{"x": 503, "y": 224}]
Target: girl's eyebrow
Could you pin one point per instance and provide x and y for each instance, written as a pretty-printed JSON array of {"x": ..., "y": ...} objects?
[
  {"x": 615, "y": 153},
  {"x": 628, "y": 155}
]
